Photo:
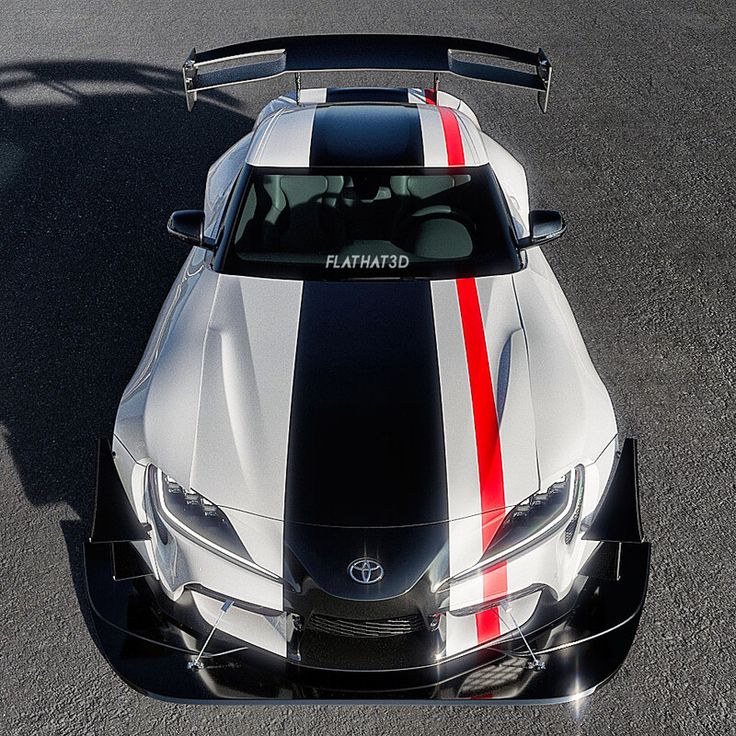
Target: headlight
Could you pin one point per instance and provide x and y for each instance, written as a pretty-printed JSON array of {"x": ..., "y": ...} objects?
[
  {"x": 540, "y": 515},
  {"x": 537, "y": 517},
  {"x": 197, "y": 518}
]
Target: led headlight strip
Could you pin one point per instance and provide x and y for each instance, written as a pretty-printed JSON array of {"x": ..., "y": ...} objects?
[
  {"x": 566, "y": 493},
  {"x": 175, "y": 503}
]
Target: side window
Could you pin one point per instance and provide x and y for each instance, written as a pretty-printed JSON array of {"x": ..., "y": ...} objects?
[{"x": 220, "y": 180}]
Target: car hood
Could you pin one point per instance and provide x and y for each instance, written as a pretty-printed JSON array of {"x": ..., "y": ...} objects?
[{"x": 352, "y": 404}]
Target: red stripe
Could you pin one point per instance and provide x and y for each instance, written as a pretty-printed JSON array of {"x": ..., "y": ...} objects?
[
  {"x": 451, "y": 129},
  {"x": 488, "y": 445},
  {"x": 453, "y": 139}
]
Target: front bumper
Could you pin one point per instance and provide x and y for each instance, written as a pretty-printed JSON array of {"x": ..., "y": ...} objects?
[
  {"x": 579, "y": 652},
  {"x": 580, "y": 642}
]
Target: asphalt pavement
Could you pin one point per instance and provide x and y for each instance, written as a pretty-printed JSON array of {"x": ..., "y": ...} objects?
[{"x": 96, "y": 148}]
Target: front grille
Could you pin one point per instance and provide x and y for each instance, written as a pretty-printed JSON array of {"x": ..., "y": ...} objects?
[{"x": 366, "y": 629}]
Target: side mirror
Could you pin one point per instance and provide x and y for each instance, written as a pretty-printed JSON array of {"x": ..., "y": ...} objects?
[
  {"x": 544, "y": 226},
  {"x": 188, "y": 225}
]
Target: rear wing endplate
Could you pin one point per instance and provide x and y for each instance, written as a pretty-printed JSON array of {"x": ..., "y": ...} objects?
[{"x": 267, "y": 58}]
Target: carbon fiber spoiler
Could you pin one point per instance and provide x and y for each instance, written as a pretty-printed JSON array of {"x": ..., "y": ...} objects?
[{"x": 271, "y": 57}]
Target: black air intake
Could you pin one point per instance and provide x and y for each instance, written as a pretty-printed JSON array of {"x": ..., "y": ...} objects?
[{"x": 366, "y": 629}]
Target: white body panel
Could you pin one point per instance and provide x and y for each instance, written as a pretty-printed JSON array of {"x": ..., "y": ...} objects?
[{"x": 245, "y": 397}]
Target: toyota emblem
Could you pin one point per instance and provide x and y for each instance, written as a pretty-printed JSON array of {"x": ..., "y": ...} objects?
[{"x": 365, "y": 571}]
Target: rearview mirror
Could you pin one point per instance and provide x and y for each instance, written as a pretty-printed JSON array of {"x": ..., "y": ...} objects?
[
  {"x": 188, "y": 225},
  {"x": 544, "y": 226}
]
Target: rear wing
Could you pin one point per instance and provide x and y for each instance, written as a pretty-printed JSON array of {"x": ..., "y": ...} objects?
[{"x": 267, "y": 58}]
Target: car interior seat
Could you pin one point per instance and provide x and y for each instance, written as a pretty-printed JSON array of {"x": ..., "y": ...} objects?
[{"x": 435, "y": 226}]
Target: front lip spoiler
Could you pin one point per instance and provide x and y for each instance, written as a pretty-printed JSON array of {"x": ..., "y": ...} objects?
[{"x": 580, "y": 652}]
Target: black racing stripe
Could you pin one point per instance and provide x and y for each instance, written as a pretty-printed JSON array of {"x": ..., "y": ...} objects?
[
  {"x": 367, "y": 135},
  {"x": 366, "y": 444},
  {"x": 367, "y": 94}
]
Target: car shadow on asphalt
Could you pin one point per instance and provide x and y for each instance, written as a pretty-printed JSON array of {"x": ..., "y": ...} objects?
[
  {"x": 75, "y": 533},
  {"x": 94, "y": 156}
]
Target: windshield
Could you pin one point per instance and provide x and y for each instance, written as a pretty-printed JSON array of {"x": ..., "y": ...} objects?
[{"x": 372, "y": 223}]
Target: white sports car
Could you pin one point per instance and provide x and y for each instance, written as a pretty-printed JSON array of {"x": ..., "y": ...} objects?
[{"x": 365, "y": 455}]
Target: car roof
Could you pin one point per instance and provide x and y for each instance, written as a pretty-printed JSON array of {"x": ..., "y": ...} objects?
[{"x": 357, "y": 128}]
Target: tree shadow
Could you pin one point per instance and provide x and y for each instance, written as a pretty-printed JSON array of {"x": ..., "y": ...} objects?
[{"x": 93, "y": 158}]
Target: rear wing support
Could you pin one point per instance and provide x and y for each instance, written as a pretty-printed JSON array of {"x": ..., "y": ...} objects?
[{"x": 268, "y": 58}]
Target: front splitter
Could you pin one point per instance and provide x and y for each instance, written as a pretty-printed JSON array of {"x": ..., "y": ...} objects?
[{"x": 578, "y": 652}]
